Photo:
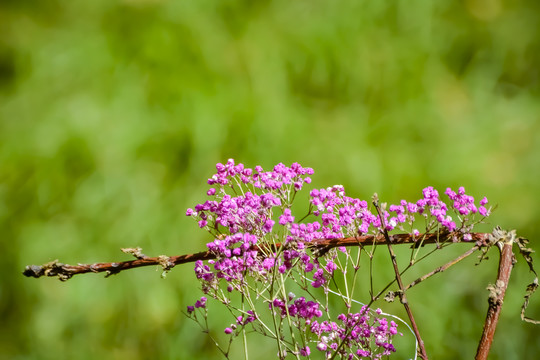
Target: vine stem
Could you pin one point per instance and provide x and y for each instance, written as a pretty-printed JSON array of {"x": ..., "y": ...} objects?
[{"x": 403, "y": 297}]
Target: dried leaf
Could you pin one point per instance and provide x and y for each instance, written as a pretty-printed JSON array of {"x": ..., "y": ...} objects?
[{"x": 532, "y": 287}]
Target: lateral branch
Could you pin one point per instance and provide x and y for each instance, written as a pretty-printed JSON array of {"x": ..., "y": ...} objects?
[{"x": 65, "y": 272}]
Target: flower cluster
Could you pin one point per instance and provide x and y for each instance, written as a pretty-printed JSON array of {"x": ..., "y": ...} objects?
[
  {"x": 361, "y": 334},
  {"x": 301, "y": 309},
  {"x": 271, "y": 180},
  {"x": 241, "y": 320},
  {"x": 465, "y": 203},
  {"x": 249, "y": 212},
  {"x": 199, "y": 304},
  {"x": 345, "y": 216},
  {"x": 234, "y": 256},
  {"x": 260, "y": 244},
  {"x": 246, "y": 211}
]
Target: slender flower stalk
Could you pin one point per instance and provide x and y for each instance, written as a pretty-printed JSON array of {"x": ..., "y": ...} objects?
[{"x": 402, "y": 294}]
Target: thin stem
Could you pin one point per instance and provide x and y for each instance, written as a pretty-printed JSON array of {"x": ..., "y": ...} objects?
[
  {"x": 244, "y": 338},
  {"x": 371, "y": 276},
  {"x": 246, "y": 355},
  {"x": 276, "y": 327},
  {"x": 207, "y": 332},
  {"x": 403, "y": 297},
  {"x": 283, "y": 292},
  {"x": 308, "y": 213},
  {"x": 376, "y": 297},
  {"x": 443, "y": 267}
]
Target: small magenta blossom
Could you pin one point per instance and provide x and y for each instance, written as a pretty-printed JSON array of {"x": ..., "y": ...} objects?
[
  {"x": 268, "y": 225},
  {"x": 286, "y": 218},
  {"x": 201, "y": 303},
  {"x": 305, "y": 351},
  {"x": 202, "y": 223}
]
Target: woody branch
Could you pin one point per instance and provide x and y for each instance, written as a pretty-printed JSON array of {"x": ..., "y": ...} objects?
[{"x": 65, "y": 271}]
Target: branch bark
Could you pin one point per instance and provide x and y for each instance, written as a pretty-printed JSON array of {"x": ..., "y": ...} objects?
[
  {"x": 495, "y": 299},
  {"x": 65, "y": 271}
]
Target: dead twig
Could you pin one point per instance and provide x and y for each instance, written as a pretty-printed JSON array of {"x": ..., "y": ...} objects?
[{"x": 65, "y": 272}]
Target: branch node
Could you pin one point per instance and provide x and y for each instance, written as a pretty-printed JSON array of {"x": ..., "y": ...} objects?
[
  {"x": 495, "y": 291},
  {"x": 391, "y": 296},
  {"x": 115, "y": 269},
  {"x": 166, "y": 264},
  {"x": 502, "y": 236}
]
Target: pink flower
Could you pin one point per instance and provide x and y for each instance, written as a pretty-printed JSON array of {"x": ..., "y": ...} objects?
[
  {"x": 483, "y": 211},
  {"x": 305, "y": 351},
  {"x": 268, "y": 225},
  {"x": 201, "y": 303}
]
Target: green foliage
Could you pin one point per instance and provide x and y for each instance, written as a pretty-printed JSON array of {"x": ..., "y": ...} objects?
[{"x": 112, "y": 115}]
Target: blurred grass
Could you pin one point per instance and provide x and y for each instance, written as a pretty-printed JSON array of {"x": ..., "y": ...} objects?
[{"x": 112, "y": 115}]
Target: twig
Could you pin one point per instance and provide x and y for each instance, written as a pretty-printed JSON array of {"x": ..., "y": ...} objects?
[
  {"x": 443, "y": 267},
  {"x": 65, "y": 271},
  {"x": 403, "y": 297}
]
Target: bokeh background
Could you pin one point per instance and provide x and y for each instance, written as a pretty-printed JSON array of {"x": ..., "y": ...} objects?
[{"x": 114, "y": 113}]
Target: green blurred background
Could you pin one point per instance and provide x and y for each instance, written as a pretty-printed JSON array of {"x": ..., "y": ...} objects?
[{"x": 114, "y": 113}]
